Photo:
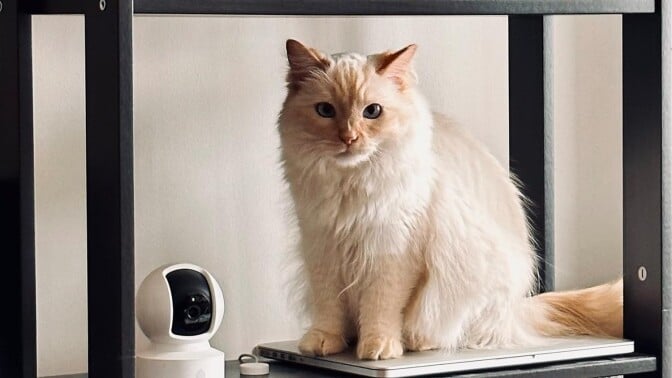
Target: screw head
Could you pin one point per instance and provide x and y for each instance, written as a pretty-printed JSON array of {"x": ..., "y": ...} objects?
[
  {"x": 102, "y": 4},
  {"x": 642, "y": 273}
]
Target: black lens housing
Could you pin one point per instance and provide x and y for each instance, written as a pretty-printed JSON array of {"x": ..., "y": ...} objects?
[{"x": 192, "y": 305}]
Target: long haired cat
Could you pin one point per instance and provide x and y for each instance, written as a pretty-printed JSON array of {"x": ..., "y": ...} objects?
[{"x": 412, "y": 236}]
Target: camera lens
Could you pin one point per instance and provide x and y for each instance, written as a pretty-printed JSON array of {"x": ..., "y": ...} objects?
[
  {"x": 197, "y": 310},
  {"x": 193, "y": 312}
]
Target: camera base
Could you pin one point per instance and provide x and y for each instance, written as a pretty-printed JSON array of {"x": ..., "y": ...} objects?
[{"x": 203, "y": 363}]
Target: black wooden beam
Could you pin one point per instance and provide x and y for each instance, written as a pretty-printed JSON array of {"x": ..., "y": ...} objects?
[
  {"x": 526, "y": 129},
  {"x": 17, "y": 214},
  {"x": 597, "y": 367},
  {"x": 391, "y": 7},
  {"x": 57, "y": 6},
  {"x": 361, "y": 7},
  {"x": 642, "y": 185},
  {"x": 109, "y": 185}
]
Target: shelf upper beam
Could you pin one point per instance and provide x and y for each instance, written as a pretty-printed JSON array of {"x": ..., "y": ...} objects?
[
  {"x": 364, "y": 7},
  {"x": 392, "y": 7}
]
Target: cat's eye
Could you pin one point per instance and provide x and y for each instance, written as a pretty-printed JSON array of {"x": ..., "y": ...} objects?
[
  {"x": 372, "y": 111},
  {"x": 325, "y": 109}
]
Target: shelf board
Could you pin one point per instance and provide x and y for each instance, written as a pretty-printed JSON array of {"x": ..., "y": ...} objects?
[
  {"x": 362, "y": 7},
  {"x": 597, "y": 367}
]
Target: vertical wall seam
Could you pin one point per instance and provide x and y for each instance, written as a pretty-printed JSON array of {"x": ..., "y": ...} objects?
[
  {"x": 666, "y": 172},
  {"x": 549, "y": 165}
]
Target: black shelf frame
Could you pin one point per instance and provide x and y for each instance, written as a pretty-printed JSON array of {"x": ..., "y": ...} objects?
[
  {"x": 362, "y": 8},
  {"x": 606, "y": 366},
  {"x": 647, "y": 163}
]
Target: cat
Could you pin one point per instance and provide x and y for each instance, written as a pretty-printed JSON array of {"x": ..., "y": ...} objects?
[{"x": 412, "y": 235}]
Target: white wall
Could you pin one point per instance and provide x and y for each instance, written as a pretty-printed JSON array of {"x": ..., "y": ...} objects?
[
  {"x": 588, "y": 148},
  {"x": 207, "y": 183},
  {"x": 60, "y": 194}
]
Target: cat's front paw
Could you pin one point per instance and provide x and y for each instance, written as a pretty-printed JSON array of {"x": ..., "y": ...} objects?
[
  {"x": 417, "y": 343},
  {"x": 320, "y": 343},
  {"x": 379, "y": 348}
]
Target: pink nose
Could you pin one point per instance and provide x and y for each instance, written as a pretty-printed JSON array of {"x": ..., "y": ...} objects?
[{"x": 349, "y": 138}]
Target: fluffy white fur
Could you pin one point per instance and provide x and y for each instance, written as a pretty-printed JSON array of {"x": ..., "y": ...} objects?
[{"x": 415, "y": 238}]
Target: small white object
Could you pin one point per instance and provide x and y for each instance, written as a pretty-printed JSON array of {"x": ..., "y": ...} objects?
[
  {"x": 252, "y": 368},
  {"x": 179, "y": 308}
]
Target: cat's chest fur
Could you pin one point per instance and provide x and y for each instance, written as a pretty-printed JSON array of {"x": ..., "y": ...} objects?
[{"x": 369, "y": 212}]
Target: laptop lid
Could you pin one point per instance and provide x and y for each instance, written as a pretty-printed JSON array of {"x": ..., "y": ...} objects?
[{"x": 437, "y": 362}]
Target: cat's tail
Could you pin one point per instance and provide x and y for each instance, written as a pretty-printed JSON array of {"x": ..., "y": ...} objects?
[{"x": 596, "y": 311}]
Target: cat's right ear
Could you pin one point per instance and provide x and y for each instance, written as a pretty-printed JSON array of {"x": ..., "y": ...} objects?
[
  {"x": 302, "y": 61},
  {"x": 397, "y": 66}
]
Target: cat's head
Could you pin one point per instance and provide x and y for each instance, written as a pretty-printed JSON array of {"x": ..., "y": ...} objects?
[{"x": 346, "y": 108}]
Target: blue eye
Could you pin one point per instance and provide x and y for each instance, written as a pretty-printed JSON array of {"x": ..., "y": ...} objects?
[
  {"x": 325, "y": 109},
  {"x": 372, "y": 111}
]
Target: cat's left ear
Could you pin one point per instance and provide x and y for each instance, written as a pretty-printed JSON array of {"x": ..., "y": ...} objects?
[
  {"x": 302, "y": 61},
  {"x": 398, "y": 66}
]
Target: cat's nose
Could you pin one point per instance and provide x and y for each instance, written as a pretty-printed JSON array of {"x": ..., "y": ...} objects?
[{"x": 349, "y": 138}]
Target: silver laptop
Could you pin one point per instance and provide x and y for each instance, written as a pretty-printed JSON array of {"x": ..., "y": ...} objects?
[{"x": 437, "y": 362}]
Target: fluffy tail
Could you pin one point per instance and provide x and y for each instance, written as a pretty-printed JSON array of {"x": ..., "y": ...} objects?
[{"x": 596, "y": 311}]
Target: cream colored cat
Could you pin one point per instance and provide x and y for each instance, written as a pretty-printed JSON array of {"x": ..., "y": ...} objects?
[{"x": 412, "y": 235}]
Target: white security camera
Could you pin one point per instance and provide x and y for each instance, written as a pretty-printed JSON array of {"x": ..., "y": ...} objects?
[{"x": 179, "y": 308}]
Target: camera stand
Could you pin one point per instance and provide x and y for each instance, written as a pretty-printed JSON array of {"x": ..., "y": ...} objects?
[{"x": 180, "y": 361}]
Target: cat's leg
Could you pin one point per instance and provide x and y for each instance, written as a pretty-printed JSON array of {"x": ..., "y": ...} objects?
[
  {"x": 414, "y": 339},
  {"x": 435, "y": 317},
  {"x": 329, "y": 331},
  {"x": 381, "y": 310}
]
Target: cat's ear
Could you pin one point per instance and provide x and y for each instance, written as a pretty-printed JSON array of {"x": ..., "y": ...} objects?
[
  {"x": 398, "y": 66},
  {"x": 303, "y": 60}
]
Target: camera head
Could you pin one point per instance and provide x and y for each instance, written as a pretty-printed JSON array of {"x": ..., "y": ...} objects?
[{"x": 179, "y": 304}]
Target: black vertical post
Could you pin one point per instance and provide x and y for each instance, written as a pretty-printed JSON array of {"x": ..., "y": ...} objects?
[
  {"x": 526, "y": 127},
  {"x": 17, "y": 215},
  {"x": 109, "y": 185},
  {"x": 642, "y": 184}
]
